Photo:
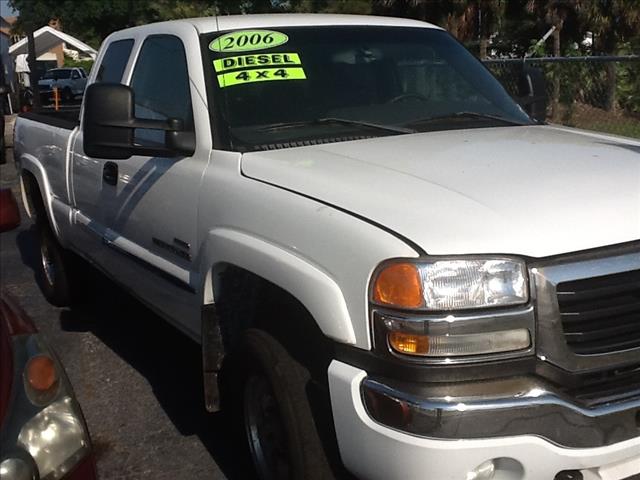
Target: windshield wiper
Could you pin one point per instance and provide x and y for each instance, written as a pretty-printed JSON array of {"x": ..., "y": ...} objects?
[
  {"x": 471, "y": 115},
  {"x": 328, "y": 120}
]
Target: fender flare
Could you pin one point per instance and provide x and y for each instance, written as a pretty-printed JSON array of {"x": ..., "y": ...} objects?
[
  {"x": 29, "y": 163},
  {"x": 307, "y": 282}
]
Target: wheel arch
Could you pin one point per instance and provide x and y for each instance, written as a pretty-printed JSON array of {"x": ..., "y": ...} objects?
[
  {"x": 35, "y": 190},
  {"x": 292, "y": 274}
]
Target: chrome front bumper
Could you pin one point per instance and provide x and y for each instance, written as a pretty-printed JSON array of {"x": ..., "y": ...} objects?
[
  {"x": 498, "y": 408},
  {"x": 371, "y": 450}
]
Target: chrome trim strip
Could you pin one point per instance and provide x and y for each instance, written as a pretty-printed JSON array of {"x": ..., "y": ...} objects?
[
  {"x": 150, "y": 266},
  {"x": 597, "y": 267}
]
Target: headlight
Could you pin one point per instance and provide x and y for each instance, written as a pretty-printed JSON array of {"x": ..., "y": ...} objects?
[
  {"x": 451, "y": 284},
  {"x": 443, "y": 310},
  {"x": 55, "y": 438}
]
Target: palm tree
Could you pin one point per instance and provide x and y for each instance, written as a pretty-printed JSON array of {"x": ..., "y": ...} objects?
[
  {"x": 466, "y": 20},
  {"x": 490, "y": 15},
  {"x": 555, "y": 13}
]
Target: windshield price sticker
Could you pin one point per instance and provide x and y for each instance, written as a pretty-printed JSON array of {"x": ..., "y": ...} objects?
[
  {"x": 258, "y": 60},
  {"x": 248, "y": 40},
  {"x": 260, "y": 75}
]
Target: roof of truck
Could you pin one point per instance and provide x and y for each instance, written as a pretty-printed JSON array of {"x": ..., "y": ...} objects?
[{"x": 233, "y": 22}]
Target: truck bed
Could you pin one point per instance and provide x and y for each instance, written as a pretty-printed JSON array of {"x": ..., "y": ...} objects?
[
  {"x": 68, "y": 118},
  {"x": 46, "y": 136}
]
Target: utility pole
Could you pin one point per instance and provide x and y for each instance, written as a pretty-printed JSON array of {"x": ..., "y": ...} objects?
[{"x": 33, "y": 69}]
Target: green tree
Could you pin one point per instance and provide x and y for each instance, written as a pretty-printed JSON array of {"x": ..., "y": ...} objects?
[
  {"x": 614, "y": 23},
  {"x": 555, "y": 13},
  {"x": 470, "y": 21},
  {"x": 231, "y": 7},
  {"x": 360, "y": 7},
  {"x": 159, "y": 10},
  {"x": 490, "y": 17},
  {"x": 91, "y": 20}
]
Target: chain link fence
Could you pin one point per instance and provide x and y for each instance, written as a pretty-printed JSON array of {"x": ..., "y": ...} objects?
[{"x": 594, "y": 93}]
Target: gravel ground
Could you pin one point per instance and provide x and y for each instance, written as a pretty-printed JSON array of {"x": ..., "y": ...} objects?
[{"x": 136, "y": 377}]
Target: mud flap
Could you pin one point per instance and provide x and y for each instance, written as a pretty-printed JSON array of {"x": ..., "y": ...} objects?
[{"x": 212, "y": 355}]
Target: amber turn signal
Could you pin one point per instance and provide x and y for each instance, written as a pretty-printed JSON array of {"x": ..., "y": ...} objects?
[
  {"x": 398, "y": 285},
  {"x": 41, "y": 373},
  {"x": 409, "y": 343}
]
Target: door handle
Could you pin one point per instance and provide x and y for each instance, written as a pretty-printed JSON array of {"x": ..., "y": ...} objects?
[{"x": 110, "y": 173}]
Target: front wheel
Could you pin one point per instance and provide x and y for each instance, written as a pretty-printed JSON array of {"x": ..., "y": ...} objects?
[{"x": 283, "y": 440}]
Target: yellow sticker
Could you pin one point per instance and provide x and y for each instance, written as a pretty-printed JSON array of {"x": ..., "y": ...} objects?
[
  {"x": 260, "y": 75},
  {"x": 248, "y": 40},
  {"x": 257, "y": 60}
]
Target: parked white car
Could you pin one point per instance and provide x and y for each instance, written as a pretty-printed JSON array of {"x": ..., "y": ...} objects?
[
  {"x": 379, "y": 251},
  {"x": 70, "y": 83}
]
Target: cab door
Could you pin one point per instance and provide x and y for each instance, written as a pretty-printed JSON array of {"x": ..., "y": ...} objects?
[{"x": 149, "y": 205}]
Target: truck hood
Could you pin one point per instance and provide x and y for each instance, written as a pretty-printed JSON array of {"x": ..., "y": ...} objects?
[
  {"x": 534, "y": 191},
  {"x": 49, "y": 82}
]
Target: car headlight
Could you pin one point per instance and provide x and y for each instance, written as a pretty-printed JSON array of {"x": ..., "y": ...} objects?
[
  {"x": 55, "y": 438},
  {"x": 446, "y": 308},
  {"x": 451, "y": 284}
]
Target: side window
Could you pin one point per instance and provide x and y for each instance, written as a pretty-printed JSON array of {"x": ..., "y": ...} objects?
[
  {"x": 115, "y": 61},
  {"x": 161, "y": 81}
]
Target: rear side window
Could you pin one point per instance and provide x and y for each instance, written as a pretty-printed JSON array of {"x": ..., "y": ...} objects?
[{"x": 115, "y": 61}]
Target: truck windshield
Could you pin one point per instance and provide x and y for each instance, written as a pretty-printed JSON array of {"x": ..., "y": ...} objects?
[
  {"x": 57, "y": 74},
  {"x": 285, "y": 87}
]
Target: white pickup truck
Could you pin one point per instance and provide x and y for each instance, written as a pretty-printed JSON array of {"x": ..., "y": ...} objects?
[
  {"x": 392, "y": 269},
  {"x": 70, "y": 82}
]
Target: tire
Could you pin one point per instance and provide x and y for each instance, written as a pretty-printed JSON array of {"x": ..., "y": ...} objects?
[
  {"x": 271, "y": 401},
  {"x": 53, "y": 268}
]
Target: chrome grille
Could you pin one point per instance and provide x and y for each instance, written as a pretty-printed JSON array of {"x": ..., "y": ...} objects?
[
  {"x": 601, "y": 314},
  {"x": 615, "y": 385},
  {"x": 583, "y": 305}
]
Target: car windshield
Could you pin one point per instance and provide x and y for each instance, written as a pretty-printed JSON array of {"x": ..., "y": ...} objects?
[
  {"x": 283, "y": 87},
  {"x": 57, "y": 74}
]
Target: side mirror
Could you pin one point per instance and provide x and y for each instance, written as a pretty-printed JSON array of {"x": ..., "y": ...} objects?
[
  {"x": 109, "y": 124},
  {"x": 9, "y": 212},
  {"x": 532, "y": 90}
]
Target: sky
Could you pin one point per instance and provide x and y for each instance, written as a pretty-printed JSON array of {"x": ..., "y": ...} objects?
[{"x": 6, "y": 10}]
